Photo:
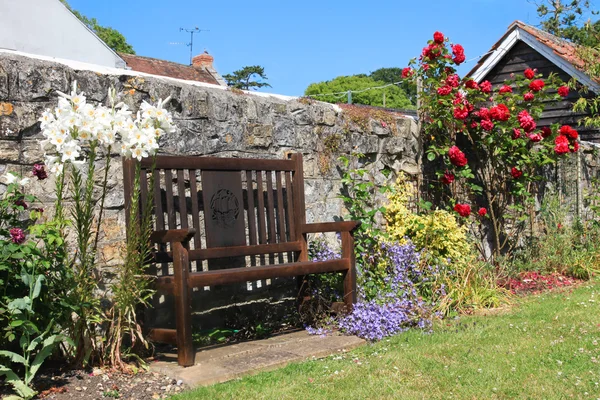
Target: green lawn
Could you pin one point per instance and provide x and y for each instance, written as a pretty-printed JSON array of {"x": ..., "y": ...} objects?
[{"x": 545, "y": 347}]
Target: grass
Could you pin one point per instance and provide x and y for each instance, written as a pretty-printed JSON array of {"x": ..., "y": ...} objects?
[{"x": 544, "y": 347}]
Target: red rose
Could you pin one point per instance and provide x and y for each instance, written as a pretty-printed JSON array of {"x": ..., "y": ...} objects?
[
  {"x": 500, "y": 112},
  {"x": 444, "y": 90},
  {"x": 526, "y": 121},
  {"x": 459, "y": 54},
  {"x": 529, "y": 73},
  {"x": 528, "y": 96},
  {"x": 487, "y": 125},
  {"x": 464, "y": 210},
  {"x": 461, "y": 112},
  {"x": 471, "y": 84},
  {"x": 516, "y": 133},
  {"x": 482, "y": 212},
  {"x": 457, "y": 157},
  {"x": 568, "y": 132},
  {"x": 453, "y": 80},
  {"x": 474, "y": 125},
  {"x": 535, "y": 137},
  {"x": 432, "y": 51},
  {"x": 505, "y": 89},
  {"x": 546, "y": 131},
  {"x": 561, "y": 145},
  {"x": 448, "y": 178},
  {"x": 536, "y": 85},
  {"x": 563, "y": 91},
  {"x": 575, "y": 147},
  {"x": 407, "y": 72},
  {"x": 515, "y": 172},
  {"x": 485, "y": 86},
  {"x": 483, "y": 113},
  {"x": 438, "y": 37}
]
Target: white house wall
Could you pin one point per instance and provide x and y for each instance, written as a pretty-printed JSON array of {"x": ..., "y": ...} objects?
[{"x": 48, "y": 28}]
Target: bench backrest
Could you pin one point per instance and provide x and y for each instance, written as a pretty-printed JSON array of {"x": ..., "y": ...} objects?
[{"x": 238, "y": 206}]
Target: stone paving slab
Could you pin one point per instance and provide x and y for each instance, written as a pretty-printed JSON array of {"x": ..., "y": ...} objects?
[{"x": 234, "y": 361}]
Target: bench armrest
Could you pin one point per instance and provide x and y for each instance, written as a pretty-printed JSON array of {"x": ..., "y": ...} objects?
[
  {"x": 172, "y": 235},
  {"x": 340, "y": 226}
]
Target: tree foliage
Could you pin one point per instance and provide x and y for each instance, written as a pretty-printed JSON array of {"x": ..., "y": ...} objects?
[
  {"x": 395, "y": 97},
  {"x": 565, "y": 19},
  {"x": 393, "y": 75},
  {"x": 247, "y": 78},
  {"x": 112, "y": 37}
]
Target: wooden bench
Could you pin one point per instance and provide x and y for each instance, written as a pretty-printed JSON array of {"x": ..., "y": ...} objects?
[{"x": 240, "y": 220}]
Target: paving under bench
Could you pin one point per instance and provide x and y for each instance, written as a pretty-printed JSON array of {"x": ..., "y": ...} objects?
[{"x": 224, "y": 363}]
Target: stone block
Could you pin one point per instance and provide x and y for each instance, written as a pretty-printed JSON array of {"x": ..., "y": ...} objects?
[
  {"x": 10, "y": 151},
  {"x": 194, "y": 103},
  {"x": 258, "y": 135}
]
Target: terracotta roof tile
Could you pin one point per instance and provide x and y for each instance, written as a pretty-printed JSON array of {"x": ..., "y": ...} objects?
[{"x": 171, "y": 69}]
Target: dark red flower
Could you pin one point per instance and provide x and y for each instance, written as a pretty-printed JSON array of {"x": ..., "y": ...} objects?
[
  {"x": 563, "y": 91},
  {"x": 444, "y": 90},
  {"x": 529, "y": 73},
  {"x": 407, "y": 72},
  {"x": 516, "y": 133},
  {"x": 17, "y": 235},
  {"x": 474, "y": 125},
  {"x": 21, "y": 202},
  {"x": 482, "y": 212},
  {"x": 438, "y": 37},
  {"x": 39, "y": 171},
  {"x": 486, "y": 87},
  {"x": 471, "y": 84},
  {"x": 500, "y": 112},
  {"x": 505, "y": 89},
  {"x": 536, "y": 85},
  {"x": 464, "y": 210},
  {"x": 448, "y": 178},
  {"x": 457, "y": 157},
  {"x": 546, "y": 131},
  {"x": 568, "y": 132},
  {"x": 528, "y": 96},
  {"x": 483, "y": 113},
  {"x": 575, "y": 147},
  {"x": 516, "y": 173}
]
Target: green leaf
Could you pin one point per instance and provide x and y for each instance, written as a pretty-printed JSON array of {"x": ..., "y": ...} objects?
[
  {"x": 430, "y": 156},
  {"x": 23, "y": 303},
  {"x": 13, "y": 357},
  {"x": 38, "y": 287},
  {"x": 47, "y": 348},
  {"x": 25, "y": 391}
]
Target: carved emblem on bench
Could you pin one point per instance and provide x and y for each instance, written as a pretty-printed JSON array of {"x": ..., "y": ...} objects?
[{"x": 225, "y": 208}]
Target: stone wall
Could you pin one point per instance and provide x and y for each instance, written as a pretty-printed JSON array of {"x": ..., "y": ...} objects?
[{"x": 212, "y": 121}]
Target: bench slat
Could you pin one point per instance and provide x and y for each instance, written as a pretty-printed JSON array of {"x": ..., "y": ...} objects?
[
  {"x": 233, "y": 275},
  {"x": 195, "y": 208},
  {"x": 218, "y": 163},
  {"x": 234, "y": 251},
  {"x": 163, "y": 335}
]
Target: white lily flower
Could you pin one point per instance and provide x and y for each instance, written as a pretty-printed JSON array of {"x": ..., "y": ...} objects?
[
  {"x": 24, "y": 181},
  {"x": 10, "y": 178}
]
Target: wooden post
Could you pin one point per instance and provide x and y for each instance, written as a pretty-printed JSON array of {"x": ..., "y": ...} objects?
[
  {"x": 350, "y": 275},
  {"x": 183, "y": 320},
  {"x": 300, "y": 217}
]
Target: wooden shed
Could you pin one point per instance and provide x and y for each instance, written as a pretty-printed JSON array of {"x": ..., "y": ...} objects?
[{"x": 524, "y": 46}]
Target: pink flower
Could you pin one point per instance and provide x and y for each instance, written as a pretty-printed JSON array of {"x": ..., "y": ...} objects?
[
  {"x": 526, "y": 121},
  {"x": 17, "y": 235},
  {"x": 486, "y": 87},
  {"x": 487, "y": 125},
  {"x": 535, "y": 137},
  {"x": 561, "y": 145},
  {"x": 516, "y": 133},
  {"x": 528, "y": 96},
  {"x": 444, "y": 90}
]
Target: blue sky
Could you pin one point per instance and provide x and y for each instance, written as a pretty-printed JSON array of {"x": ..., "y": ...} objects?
[{"x": 300, "y": 42}]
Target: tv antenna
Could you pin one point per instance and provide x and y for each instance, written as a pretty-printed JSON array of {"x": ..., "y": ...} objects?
[{"x": 191, "y": 31}]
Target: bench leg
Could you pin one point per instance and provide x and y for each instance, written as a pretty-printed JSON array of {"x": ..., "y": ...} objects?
[
  {"x": 350, "y": 274},
  {"x": 185, "y": 344}
]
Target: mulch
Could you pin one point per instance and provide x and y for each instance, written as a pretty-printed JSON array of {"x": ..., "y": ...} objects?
[
  {"x": 533, "y": 282},
  {"x": 103, "y": 384}
]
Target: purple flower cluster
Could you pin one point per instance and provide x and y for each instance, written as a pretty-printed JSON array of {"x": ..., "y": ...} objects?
[
  {"x": 17, "y": 235},
  {"x": 319, "y": 250}
]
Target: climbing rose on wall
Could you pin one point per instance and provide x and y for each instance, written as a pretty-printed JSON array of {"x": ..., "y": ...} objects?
[
  {"x": 563, "y": 91},
  {"x": 464, "y": 210},
  {"x": 528, "y": 96},
  {"x": 457, "y": 157},
  {"x": 447, "y": 178},
  {"x": 536, "y": 85},
  {"x": 438, "y": 37},
  {"x": 516, "y": 173},
  {"x": 482, "y": 212},
  {"x": 529, "y": 73}
]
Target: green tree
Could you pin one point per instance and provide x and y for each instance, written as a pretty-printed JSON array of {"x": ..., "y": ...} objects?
[
  {"x": 393, "y": 75},
  {"x": 565, "y": 19},
  {"x": 112, "y": 37},
  {"x": 246, "y": 78},
  {"x": 395, "y": 97}
]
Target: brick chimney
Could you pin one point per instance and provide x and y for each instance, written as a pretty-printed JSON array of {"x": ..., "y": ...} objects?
[{"x": 203, "y": 60}]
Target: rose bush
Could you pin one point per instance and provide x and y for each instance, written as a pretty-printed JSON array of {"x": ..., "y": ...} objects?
[{"x": 484, "y": 140}]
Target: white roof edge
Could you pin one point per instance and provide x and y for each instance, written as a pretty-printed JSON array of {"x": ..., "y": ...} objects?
[
  {"x": 520, "y": 34},
  {"x": 118, "y": 59}
]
